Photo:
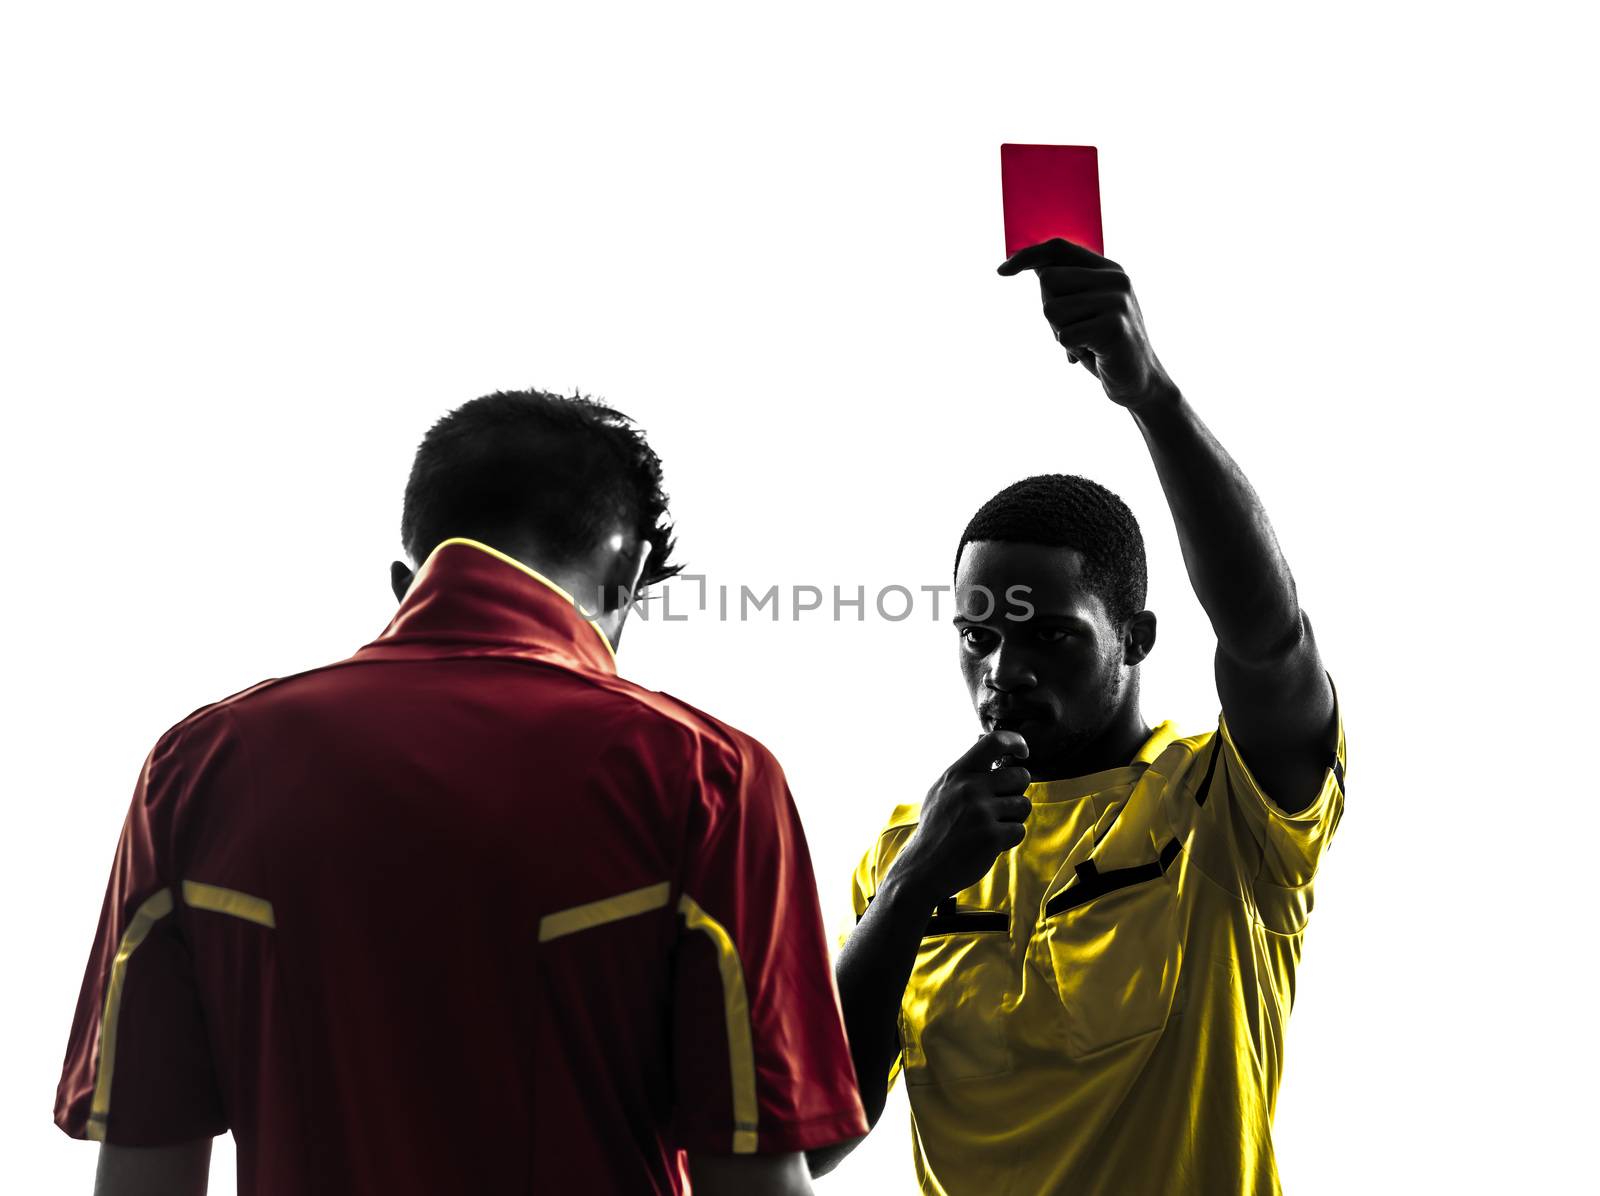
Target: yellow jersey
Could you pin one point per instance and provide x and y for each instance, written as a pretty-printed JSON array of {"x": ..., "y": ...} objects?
[{"x": 1103, "y": 1013}]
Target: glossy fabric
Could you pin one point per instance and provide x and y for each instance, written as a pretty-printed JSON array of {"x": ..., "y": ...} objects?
[
  {"x": 465, "y": 912},
  {"x": 1116, "y": 1024}
]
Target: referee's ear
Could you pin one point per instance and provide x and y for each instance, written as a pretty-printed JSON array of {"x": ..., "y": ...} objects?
[
  {"x": 400, "y": 576},
  {"x": 1138, "y": 638}
]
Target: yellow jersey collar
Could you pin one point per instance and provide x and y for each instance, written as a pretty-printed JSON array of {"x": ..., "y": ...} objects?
[{"x": 1110, "y": 778}]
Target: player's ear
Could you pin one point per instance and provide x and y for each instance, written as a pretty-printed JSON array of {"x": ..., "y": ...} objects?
[
  {"x": 1138, "y": 637},
  {"x": 623, "y": 573},
  {"x": 400, "y": 576}
]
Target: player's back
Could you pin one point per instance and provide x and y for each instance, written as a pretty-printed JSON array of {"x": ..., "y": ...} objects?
[
  {"x": 413, "y": 825},
  {"x": 465, "y": 912}
]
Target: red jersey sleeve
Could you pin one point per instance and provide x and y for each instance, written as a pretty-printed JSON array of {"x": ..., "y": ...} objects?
[
  {"x": 138, "y": 1069},
  {"x": 760, "y": 1060}
]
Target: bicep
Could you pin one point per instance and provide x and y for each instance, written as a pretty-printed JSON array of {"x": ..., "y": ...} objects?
[
  {"x": 180, "y": 1170},
  {"x": 1280, "y": 711}
]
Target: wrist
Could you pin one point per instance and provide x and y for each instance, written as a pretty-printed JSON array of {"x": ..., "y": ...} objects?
[
  {"x": 1160, "y": 397},
  {"x": 906, "y": 892}
]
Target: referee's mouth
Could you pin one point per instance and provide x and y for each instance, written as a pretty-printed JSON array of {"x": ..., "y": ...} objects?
[{"x": 1013, "y": 718}]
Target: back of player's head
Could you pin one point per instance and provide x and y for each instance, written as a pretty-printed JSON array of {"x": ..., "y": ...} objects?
[
  {"x": 1064, "y": 511},
  {"x": 563, "y": 471}
]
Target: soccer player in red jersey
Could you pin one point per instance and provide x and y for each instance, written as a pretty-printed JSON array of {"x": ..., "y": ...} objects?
[{"x": 467, "y": 912}]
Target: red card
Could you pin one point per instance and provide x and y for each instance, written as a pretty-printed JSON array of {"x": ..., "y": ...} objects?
[{"x": 1051, "y": 191}]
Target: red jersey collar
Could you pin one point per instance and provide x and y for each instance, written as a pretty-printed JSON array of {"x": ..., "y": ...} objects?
[{"x": 468, "y": 593}]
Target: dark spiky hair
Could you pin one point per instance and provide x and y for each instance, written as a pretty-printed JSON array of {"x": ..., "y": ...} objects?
[
  {"x": 1064, "y": 511},
  {"x": 562, "y": 470}
]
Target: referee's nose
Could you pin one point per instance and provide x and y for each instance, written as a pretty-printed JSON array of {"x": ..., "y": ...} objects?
[{"x": 1008, "y": 669}]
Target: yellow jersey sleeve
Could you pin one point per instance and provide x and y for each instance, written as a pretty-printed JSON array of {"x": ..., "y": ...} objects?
[
  {"x": 1291, "y": 845},
  {"x": 876, "y": 862},
  {"x": 864, "y": 885}
]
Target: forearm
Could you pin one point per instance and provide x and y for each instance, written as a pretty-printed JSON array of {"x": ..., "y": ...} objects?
[
  {"x": 872, "y": 972},
  {"x": 749, "y": 1175},
  {"x": 181, "y": 1170},
  {"x": 1235, "y": 565}
]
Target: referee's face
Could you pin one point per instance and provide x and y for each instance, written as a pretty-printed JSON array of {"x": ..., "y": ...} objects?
[{"x": 1038, "y": 651}]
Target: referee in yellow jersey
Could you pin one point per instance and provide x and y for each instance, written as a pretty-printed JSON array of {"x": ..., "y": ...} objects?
[{"x": 1079, "y": 949}]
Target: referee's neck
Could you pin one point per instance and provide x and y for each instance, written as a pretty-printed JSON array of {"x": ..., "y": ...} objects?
[{"x": 1113, "y": 747}]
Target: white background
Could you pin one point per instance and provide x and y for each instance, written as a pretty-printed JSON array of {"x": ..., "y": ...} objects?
[{"x": 250, "y": 255}]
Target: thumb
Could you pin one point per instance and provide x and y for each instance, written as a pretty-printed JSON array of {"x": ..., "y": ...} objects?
[{"x": 994, "y": 745}]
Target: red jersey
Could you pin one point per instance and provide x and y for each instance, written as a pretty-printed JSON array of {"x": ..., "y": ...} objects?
[{"x": 465, "y": 912}]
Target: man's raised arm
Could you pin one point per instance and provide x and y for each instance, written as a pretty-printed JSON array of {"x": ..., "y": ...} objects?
[{"x": 1275, "y": 695}]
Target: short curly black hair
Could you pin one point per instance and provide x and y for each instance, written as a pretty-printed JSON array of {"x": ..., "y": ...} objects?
[
  {"x": 1066, "y": 511},
  {"x": 564, "y": 469}
]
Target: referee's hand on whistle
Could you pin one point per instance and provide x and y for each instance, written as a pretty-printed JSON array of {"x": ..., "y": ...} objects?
[{"x": 973, "y": 813}]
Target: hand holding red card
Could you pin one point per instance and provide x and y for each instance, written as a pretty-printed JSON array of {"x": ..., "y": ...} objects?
[{"x": 1052, "y": 209}]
